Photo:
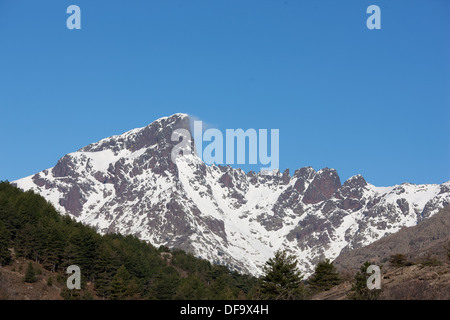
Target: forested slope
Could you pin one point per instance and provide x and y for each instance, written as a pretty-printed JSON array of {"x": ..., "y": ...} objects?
[{"x": 116, "y": 266}]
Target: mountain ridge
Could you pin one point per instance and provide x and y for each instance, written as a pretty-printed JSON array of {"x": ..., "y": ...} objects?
[{"x": 128, "y": 184}]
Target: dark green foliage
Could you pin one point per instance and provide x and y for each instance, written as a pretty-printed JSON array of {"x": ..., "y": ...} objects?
[
  {"x": 119, "y": 267},
  {"x": 282, "y": 280},
  {"x": 325, "y": 277},
  {"x": 123, "y": 285},
  {"x": 30, "y": 275},
  {"x": 191, "y": 288},
  {"x": 5, "y": 254},
  {"x": 359, "y": 290},
  {"x": 165, "y": 283}
]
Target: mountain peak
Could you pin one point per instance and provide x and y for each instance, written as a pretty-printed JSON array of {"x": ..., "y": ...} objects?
[
  {"x": 128, "y": 184},
  {"x": 156, "y": 133},
  {"x": 355, "y": 181},
  {"x": 323, "y": 186}
]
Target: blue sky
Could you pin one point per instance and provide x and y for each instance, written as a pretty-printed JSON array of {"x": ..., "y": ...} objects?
[{"x": 370, "y": 102}]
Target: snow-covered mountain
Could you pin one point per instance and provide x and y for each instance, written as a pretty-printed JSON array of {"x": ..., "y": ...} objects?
[{"x": 128, "y": 184}]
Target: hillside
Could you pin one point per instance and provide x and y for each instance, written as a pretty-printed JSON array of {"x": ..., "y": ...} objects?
[
  {"x": 416, "y": 282},
  {"x": 430, "y": 237},
  {"x": 13, "y": 286},
  {"x": 112, "y": 266},
  {"x": 415, "y": 262}
]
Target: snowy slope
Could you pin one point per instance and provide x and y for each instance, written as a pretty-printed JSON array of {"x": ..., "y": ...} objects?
[{"x": 128, "y": 184}]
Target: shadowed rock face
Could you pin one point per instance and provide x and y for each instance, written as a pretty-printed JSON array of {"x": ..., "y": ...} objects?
[
  {"x": 352, "y": 188},
  {"x": 129, "y": 184},
  {"x": 323, "y": 186},
  {"x": 157, "y": 133}
]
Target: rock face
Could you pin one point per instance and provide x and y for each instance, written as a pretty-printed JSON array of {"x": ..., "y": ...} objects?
[
  {"x": 322, "y": 187},
  {"x": 129, "y": 184}
]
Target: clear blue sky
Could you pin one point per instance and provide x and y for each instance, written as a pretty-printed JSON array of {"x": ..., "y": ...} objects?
[{"x": 370, "y": 102}]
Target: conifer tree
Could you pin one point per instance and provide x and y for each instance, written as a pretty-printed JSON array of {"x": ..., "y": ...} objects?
[
  {"x": 30, "y": 225},
  {"x": 54, "y": 246},
  {"x": 218, "y": 289},
  {"x": 166, "y": 283},
  {"x": 282, "y": 280},
  {"x": 191, "y": 288},
  {"x": 325, "y": 277},
  {"x": 5, "y": 254},
  {"x": 30, "y": 274},
  {"x": 50, "y": 281},
  {"x": 359, "y": 290},
  {"x": 123, "y": 286},
  {"x": 106, "y": 266}
]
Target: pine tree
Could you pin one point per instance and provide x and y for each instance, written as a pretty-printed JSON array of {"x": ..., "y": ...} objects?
[
  {"x": 106, "y": 266},
  {"x": 30, "y": 225},
  {"x": 54, "y": 247},
  {"x": 24, "y": 242},
  {"x": 166, "y": 284},
  {"x": 30, "y": 274},
  {"x": 359, "y": 290},
  {"x": 5, "y": 254},
  {"x": 282, "y": 280},
  {"x": 123, "y": 286},
  {"x": 218, "y": 288},
  {"x": 191, "y": 288},
  {"x": 325, "y": 277},
  {"x": 82, "y": 248}
]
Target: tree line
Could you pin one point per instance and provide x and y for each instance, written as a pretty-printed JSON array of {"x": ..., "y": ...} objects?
[
  {"x": 119, "y": 267},
  {"x": 123, "y": 267}
]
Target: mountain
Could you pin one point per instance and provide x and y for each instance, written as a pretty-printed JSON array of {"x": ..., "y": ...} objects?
[{"x": 128, "y": 184}]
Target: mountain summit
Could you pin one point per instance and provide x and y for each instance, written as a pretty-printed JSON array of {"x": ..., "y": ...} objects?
[{"x": 129, "y": 184}]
